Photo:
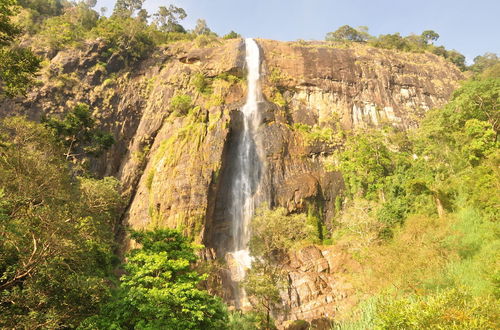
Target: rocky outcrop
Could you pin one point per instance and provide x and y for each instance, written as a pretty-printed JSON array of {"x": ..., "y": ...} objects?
[
  {"x": 358, "y": 85},
  {"x": 319, "y": 288},
  {"x": 173, "y": 162}
]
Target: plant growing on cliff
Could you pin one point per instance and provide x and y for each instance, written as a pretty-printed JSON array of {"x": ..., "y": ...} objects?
[
  {"x": 201, "y": 83},
  {"x": 160, "y": 289},
  {"x": 180, "y": 105},
  {"x": 78, "y": 133},
  {"x": 273, "y": 234}
]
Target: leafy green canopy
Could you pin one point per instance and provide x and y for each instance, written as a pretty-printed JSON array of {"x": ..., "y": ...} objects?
[
  {"x": 78, "y": 133},
  {"x": 435, "y": 193},
  {"x": 56, "y": 237},
  {"x": 17, "y": 65},
  {"x": 159, "y": 290},
  {"x": 410, "y": 43}
]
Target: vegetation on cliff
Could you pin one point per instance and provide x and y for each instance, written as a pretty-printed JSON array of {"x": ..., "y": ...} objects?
[
  {"x": 419, "y": 213},
  {"x": 411, "y": 43},
  {"x": 419, "y": 210}
]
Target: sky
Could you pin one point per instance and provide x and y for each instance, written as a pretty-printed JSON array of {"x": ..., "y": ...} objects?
[{"x": 471, "y": 27}]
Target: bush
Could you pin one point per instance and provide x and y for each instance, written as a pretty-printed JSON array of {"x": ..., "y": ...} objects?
[
  {"x": 126, "y": 36},
  {"x": 231, "y": 35},
  {"x": 449, "y": 309},
  {"x": 275, "y": 231},
  {"x": 201, "y": 83},
  {"x": 180, "y": 104}
]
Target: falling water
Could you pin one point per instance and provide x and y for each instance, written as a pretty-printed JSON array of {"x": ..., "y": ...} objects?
[{"x": 245, "y": 186}]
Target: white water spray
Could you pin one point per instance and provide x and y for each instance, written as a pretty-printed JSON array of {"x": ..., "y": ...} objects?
[{"x": 244, "y": 190}]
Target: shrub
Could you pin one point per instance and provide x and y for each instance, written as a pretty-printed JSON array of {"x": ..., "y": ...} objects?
[
  {"x": 201, "y": 83},
  {"x": 448, "y": 309},
  {"x": 180, "y": 104}
]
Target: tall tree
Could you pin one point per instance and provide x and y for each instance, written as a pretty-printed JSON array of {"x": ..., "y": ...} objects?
[
  {"x": 167, "y": 19},
  {"x": 201, "y": 27},
  {"x": 127, "y": 8},
  {"x": 160, "y": 289},
  {"x": 17, "y": 65},
  {"x": 78, "y": 133},
  {"x": 347, "y": 33},
  {"x": 429, "y": 35}
]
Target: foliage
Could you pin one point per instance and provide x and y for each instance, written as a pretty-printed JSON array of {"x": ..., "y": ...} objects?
[
  {"x": 202, "y": 28},
  {"x": 431, "y": 203},
  {"x": 78, "y": 133},
  {"x": 365, "y": 162},
  {"x": 159, "y": 290},
  {"x": 126, "y": 8},
  {"x": 429, "y": 35},
  {"x": 316, "y": 134},
  {"x": 17, "y": 65},
  {"x": 180, "y": 104},
  {"x": 246, "y": 321},
  {"x": 232, "y": 35},
  {"x": 68, "y": 29},
  {"x": 449, "y": 309},
  {"x": 481, "y": 63},
  {"x": 56, "y": 243},
  {"x": 167, "y": 19},
  {"x": 8, "y": 30},
  {"x": 201, "y": 83},
  {"x": 274, "y": 232},
  {"x": 410, "y": 43},
  {"x": 263, "y": 282},
  {"x": 126, "y": 36},
  {"x": 206, "y": 40},
  {"x": 347, "y": 33}
]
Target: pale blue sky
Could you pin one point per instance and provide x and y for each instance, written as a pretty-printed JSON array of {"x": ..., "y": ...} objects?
[{"x": 471, "y": 27}]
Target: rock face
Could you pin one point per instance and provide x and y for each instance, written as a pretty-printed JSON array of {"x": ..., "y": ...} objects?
[
  {"x": 173, "y": 160},
  {"x": 319, "y": 288},
  {"x": 359, "y": 86}
]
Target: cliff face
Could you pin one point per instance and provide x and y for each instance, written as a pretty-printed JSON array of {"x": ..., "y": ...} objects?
[
  {"x": 174, "y": 162},
  {"x": 359, "y": 86}
]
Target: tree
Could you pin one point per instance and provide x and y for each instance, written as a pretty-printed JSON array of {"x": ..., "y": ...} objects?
[
  {"x": 232, "y": 35},
  {"x": 128, "y": 37},
  {"x": 391, "y": 41},
  {"x": 143, "y": 15},
  {"x": 484, "y": 62},
  {"x": 201, "y": 27},
  {"x": 273, "y": 234},
  {"x": 365, "y": 161},
  {"x": 263, "y": 283},
  {"x": 347, "y": 33},
  {"x": 78, "y": 133},
  {"x": 91, "y": 3},
  {"x": 18, "y": 65},
  {"x": 126, "y": 8},
  {"x": 56, "y": 241},
  {"x": 160, "y": 289},
  {"x": 167, "y": 19},
  {"x": 429, "y": 35},
  {"x": 457, "y": 59}
]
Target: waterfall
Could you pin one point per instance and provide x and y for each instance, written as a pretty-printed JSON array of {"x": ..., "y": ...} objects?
[{"x": 245, "y": 185}]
